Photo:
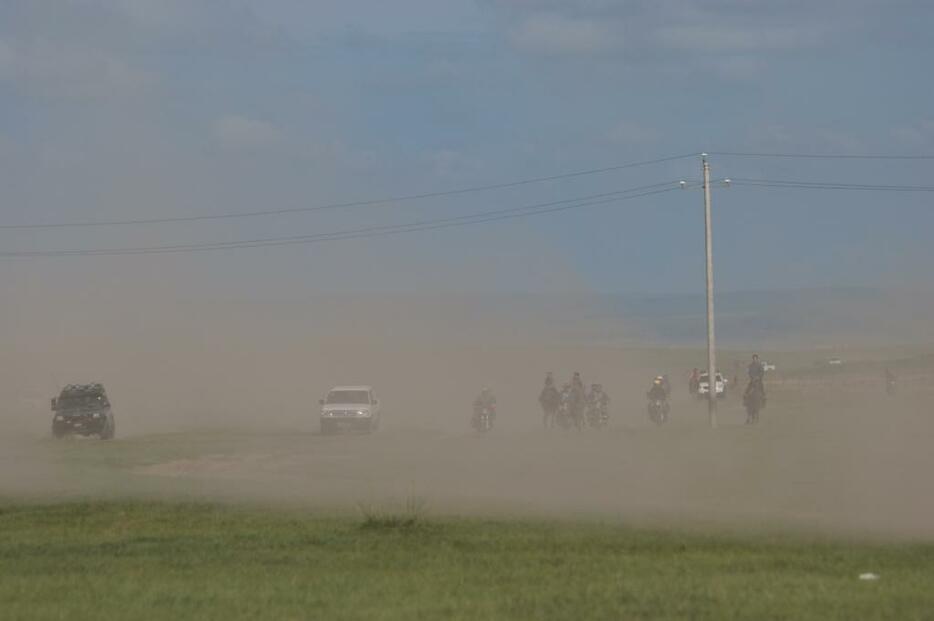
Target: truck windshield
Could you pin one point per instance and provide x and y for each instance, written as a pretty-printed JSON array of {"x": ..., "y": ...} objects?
[
  {"x": 74, "y": 402},
  {"x": 349, "y": 396}
]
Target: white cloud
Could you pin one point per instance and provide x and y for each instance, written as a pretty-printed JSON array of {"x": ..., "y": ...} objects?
[
  {"x": 239, "y": 132},
  {"x": 550, "y": 33}
]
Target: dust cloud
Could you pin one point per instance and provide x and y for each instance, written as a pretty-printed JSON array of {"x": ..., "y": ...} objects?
[{"x": 220, "y": 402}]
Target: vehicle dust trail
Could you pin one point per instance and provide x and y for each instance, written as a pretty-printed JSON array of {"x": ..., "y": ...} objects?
[
  {"x": 845, "y": 462},
  {"x": 224, "y": 410}
]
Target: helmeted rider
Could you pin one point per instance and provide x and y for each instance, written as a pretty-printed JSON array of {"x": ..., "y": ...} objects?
[
  {"x": 577, "y": 383},
  {"x": 657, "y": 391},
  {"x": 549, "y": 379},
  {"x": 485, "y": 400},
  {"x": 598, "y": 397}
]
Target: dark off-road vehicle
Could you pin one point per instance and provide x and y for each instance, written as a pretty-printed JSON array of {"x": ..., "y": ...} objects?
[{"x": 83, "y": 410}]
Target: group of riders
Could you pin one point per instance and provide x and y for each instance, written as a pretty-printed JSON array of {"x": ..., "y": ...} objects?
[{"x": 574, "y": 406}]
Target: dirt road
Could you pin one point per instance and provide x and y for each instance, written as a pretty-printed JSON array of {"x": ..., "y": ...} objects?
[{"x": 853, "y": 462}]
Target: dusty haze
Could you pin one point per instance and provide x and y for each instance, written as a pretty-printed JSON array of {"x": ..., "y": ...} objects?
[{"x": 220, "y": 401}]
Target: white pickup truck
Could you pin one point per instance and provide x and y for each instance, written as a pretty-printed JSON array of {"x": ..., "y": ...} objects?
[
  {"x": 703, "y": 386},
  {"x": 349, "y": 408}
]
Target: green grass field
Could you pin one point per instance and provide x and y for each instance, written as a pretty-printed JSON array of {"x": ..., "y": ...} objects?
[{"x": 134, "y": 560}]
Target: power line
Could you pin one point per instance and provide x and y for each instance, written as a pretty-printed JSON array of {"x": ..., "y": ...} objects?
[
  {"x": 368, "y": 232},
  {"x": 829, "y": 185},
  {"x": 362, "y": 203},
  {"x": 822, "y": 156},
  {"x": 342, "y": 235}
]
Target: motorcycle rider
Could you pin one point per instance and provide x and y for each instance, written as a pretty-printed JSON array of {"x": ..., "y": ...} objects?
[
  {"x": 485, "y": 400},
  {"x": 598, "y": 397},
  {"x": 566, "y": 389},
  {"x": 694, "y": 381},
  {"x": 657, "y": 391},
  {"x": 666, "y": 385},
  {"x": 577, "y": 383}
]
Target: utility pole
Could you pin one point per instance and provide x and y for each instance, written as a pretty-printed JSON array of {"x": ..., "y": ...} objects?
[{"x": 711, "y": 343}]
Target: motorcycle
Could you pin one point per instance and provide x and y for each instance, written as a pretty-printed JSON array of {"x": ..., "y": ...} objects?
[
  {"x": 483, "y": 419},
  {"x": 658, "y": 411},
  {"x": 597, "y": 416},
  {"x": 563, "y": 417}
]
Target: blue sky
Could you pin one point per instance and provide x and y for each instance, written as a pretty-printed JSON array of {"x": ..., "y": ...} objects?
[{"x": 152, "y": 108}]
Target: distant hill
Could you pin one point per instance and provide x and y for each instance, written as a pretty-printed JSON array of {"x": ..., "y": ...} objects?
[
  {"x": 817, "y": 317},
  {"x": 829, "y": 317}
]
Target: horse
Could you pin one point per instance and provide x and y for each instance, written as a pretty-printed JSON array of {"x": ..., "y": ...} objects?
[{"x": 754, "y": 400}]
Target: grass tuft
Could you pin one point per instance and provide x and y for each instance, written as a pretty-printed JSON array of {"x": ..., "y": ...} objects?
[{"x": 409, "y": 515}]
